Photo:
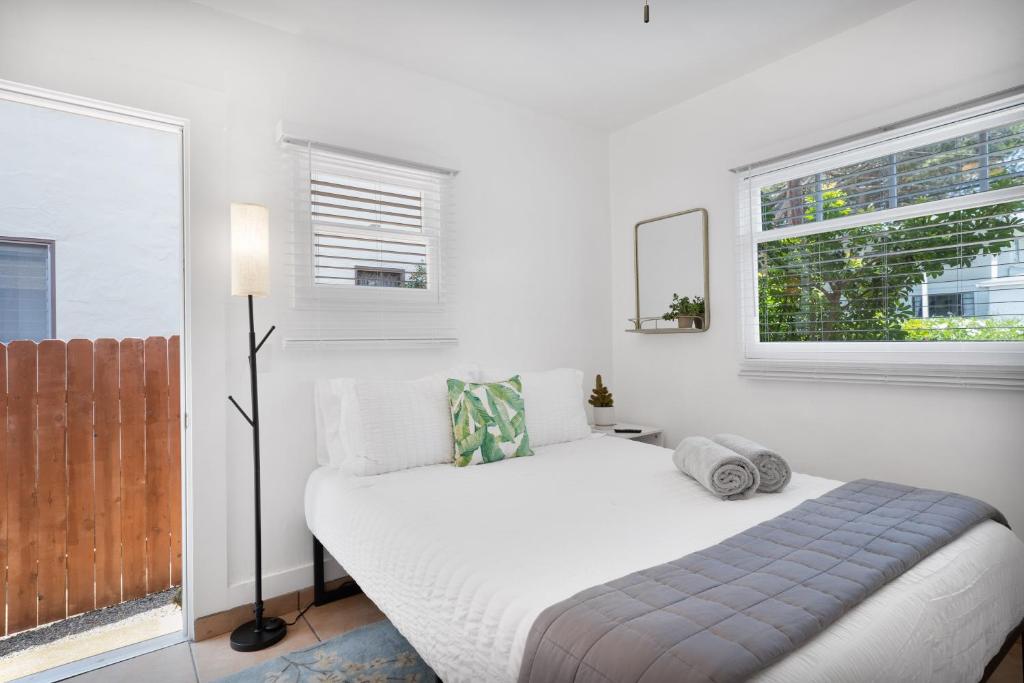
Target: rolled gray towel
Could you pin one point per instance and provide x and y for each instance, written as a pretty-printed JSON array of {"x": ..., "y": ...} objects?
[
  {"x": 719, "y": 470},
  {"x": 774, "y": 469}
]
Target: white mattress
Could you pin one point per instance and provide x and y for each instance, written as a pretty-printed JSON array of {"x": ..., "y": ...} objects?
[{"x": 462, "y": 560}]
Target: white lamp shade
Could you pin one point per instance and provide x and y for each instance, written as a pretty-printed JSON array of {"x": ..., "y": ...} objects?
[{"x": 250, "y": 250}]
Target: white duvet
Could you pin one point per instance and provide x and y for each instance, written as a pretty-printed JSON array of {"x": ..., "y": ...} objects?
[{"x": 462, "y": 560}]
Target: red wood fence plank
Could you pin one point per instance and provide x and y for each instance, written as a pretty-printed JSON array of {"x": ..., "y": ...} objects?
[
  {"x": 158, "y": 505},
  {"x": 107, "y": 459},
  {"x": 133, "y": 470},
  {"x": 3, "y": 488},
  {"x": 21, "y": 486},
  {"x": 81, "y": 513},
  {"x": 174, "y": 445},
  {"x": 51, "y": 406}
]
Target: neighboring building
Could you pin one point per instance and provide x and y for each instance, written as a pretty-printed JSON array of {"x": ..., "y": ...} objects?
[
  {"x": 90, "y": 227},
  {"x": 992, "y": 286}
]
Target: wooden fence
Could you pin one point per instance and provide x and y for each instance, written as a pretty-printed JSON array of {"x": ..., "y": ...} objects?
[{"x": 90, "y": 472}]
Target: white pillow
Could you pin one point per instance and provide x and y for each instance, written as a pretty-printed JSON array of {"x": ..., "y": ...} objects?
[
  {"x": 377, "y": 426},
  {"x": 554, "y": 404}
]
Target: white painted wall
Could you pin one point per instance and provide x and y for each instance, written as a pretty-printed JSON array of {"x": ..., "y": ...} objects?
[
  {"x": 532, "y": 246},
  {"x": 108, "y": 195},
  {"x": 915, "y": 59}
]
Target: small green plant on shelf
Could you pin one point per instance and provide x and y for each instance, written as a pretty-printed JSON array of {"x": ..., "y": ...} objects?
[
  {"x": 687, "y": 312},
  {"x": 600, "y": 397}
]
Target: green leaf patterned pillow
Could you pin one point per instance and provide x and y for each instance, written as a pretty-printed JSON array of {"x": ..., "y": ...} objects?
[{"x": 488, "y": 421}]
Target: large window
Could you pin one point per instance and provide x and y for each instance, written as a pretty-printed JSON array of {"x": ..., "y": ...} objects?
[
  {"x": 26, "y": 290},
  {"x": 891, "y": 244}
]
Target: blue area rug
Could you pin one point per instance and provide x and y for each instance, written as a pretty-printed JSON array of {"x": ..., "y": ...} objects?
[{"x": 371, "y": 654}]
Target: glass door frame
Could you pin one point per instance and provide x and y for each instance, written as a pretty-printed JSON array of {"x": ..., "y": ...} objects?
[{"x": 42, "y": 97}]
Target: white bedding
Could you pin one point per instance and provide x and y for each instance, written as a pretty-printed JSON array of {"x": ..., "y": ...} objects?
[{"x": 462, "y": 560}]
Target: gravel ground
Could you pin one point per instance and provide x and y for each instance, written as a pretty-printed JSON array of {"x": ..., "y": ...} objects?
[{"x": 84, "y": 622}]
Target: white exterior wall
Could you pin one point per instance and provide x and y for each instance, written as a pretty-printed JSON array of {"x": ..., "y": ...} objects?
[{"x": 109, "y": 196}]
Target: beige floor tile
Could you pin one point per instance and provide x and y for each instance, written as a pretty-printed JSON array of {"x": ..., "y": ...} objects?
[
  {"x": 169, "y": 665},
  {"x": 215, "y": 658},
  {"x": 343, "y": 615}
]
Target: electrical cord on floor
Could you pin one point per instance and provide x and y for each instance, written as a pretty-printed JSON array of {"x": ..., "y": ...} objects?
[{"x": 298, "y": 616}]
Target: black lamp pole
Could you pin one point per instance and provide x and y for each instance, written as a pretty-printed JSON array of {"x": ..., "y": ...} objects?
[{"x": 261, "y": 632}]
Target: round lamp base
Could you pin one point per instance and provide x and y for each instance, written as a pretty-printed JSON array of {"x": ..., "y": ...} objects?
[{"x": 246, "y": 638}]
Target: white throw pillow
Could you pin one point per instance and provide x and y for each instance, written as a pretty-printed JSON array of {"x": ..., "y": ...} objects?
[
  {"x": 553, "y": 400},
  {"x": 377, "y": 426}
]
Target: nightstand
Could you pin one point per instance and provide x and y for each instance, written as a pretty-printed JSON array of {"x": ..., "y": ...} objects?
[{"x": 647, "y": 434}]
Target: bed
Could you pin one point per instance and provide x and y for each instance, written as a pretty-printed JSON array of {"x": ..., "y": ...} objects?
[{"x": 462, "y": 561}]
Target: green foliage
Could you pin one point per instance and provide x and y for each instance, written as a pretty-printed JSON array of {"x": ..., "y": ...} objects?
[
  {"x": 684, "y": 307},
  {"x": 854, "y": 284},
  {"x": 964, "y": 329},
  {"x": 601, "y": 397},
  {"x": 418, "y": 279}
]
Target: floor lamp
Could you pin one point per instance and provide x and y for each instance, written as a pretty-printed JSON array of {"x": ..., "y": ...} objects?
[{"x": 250, "y": 266}]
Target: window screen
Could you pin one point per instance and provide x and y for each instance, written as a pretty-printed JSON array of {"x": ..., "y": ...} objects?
[{"x": 26, "y": 291}]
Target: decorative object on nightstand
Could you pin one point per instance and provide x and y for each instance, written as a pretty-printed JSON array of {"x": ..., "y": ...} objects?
[
  {"x": 603, "y": 402},
  {"x": 250, "y": 276},
  {"x": 634, "y": 432}
]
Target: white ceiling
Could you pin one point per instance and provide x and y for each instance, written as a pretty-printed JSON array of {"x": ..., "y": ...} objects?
[{"x": 591, "y": 61}]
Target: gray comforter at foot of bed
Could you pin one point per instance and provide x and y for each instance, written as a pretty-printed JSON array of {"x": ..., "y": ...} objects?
[{"x": 724, "y": 613}]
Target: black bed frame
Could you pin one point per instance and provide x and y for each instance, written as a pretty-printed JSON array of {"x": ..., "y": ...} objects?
[{"x": 322, "y": 596}]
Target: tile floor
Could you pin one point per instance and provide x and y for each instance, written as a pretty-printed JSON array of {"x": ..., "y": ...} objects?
[{"x": 210, "y": 659}]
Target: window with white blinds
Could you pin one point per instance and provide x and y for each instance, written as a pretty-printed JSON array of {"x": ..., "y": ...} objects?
[
  {"x": 371, "y": 233},
  {"x": 26, "y": 290},
  {"x": 911, "y": 242},
  {"x": 372, "y": 247}
]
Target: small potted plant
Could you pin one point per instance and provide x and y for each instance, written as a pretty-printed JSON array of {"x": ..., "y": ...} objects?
[
  {"x": 685, "y": 312},
  {"x": 601, "y": 399}
]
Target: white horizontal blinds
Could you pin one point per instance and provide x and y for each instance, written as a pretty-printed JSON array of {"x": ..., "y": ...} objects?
[
  {"x": 367, "y": 261},
  {"x": 372, "y": 250},
  {"x": 921, "y": 244},
  {"x": 375, "y": 224},
  {"x": 963, "y": 165}
]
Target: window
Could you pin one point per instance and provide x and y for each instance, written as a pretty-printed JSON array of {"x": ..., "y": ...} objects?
[
  {"x": 957, "y": 304},
  {"x": 371, "y": 248},
  {"x": 369, "y": 232},
  {"x": 26, "y": 290},
  {"x": 889, "y": 246}
]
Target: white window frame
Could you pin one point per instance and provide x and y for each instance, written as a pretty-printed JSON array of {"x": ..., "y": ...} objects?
[
  {"x": 995, "y": 364},
  {"x": 51, "y": 275},
  {"x": 367, "y": 317},
  {"x": 312, "y": 294}
]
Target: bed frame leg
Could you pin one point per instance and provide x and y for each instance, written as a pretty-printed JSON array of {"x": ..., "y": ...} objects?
[{"x": 322, "y": 596}]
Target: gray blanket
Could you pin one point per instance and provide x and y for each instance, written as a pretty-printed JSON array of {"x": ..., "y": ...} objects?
[{"x": 725, "y": 613}]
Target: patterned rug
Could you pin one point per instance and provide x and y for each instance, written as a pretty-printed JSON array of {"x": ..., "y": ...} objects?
[{"x": 371, "y": 654}]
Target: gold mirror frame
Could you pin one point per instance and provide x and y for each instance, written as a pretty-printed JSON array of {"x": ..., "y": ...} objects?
[{"x": 638, "y": 321}]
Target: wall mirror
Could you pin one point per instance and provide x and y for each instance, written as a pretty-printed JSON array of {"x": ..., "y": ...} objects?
[{"x": 670, "y": 263}]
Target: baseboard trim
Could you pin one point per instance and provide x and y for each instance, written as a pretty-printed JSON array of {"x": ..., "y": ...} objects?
[{"x": 219, "y": 623}]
